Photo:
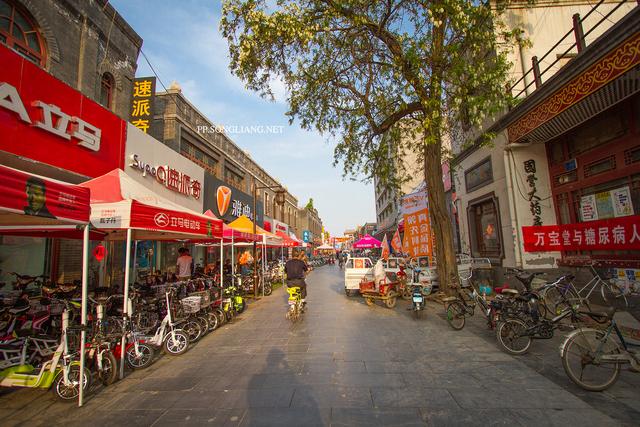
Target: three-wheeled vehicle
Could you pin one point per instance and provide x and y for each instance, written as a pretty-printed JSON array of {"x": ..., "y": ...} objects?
[{"x": 355, "y": 270}]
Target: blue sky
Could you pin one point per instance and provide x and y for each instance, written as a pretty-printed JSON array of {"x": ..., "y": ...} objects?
[{"x": 182, "y": 42}]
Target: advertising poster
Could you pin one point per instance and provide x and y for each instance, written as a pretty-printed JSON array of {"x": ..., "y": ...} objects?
[
  {"x": 622, "y": 205},
  {"x": 605, "y": 207},
  {"x": 588, "y": 210}
]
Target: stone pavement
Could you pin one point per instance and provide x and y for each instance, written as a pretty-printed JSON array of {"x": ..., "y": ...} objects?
[{"x": 344, "y": 364}]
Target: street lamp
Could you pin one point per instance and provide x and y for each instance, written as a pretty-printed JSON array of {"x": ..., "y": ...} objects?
[{"x": 280, "y": 195}]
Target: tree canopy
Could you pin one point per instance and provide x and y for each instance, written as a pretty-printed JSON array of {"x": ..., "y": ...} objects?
[{"x": 386, "y": 79}]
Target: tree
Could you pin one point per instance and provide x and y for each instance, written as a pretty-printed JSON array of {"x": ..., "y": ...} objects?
[
  {"x": 309, "y": 204},
  {"x": 385, "y": 78}
]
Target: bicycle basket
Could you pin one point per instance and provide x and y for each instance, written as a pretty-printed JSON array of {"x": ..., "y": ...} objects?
[
  {"x": 204, "y": 295},
  {"x": 191, "y": 304}
]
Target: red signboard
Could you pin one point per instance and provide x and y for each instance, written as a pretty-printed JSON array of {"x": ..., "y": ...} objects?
[
  {"x": 40, "y": 197},
  {"x": 155, "y": 218},
  {"x": 43, "y": 119},
  {"x": 609, "y": 234}
]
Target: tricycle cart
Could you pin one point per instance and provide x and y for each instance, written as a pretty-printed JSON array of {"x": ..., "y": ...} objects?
[{"x": 387, "y": 292}]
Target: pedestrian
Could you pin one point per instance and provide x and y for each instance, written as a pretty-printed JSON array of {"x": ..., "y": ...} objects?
[
  {"x": 183, "y": 264},
  {"x": 296, "y": 270}
]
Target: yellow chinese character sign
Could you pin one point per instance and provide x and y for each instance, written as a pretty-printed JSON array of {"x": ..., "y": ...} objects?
[{"x": 144, "y": 89}]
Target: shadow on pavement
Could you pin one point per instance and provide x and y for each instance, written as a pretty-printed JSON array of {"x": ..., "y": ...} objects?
[{"x": 271, "y": 393}]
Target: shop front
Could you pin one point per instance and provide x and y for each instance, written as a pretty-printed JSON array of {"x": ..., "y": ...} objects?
[
  {"x": 70, "y": 138},
  {"x": 576, "y": 150},
  {"x": 173, "y": 177}
]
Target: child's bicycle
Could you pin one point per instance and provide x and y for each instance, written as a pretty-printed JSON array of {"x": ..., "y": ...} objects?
[{"x": 296, "y": 307}]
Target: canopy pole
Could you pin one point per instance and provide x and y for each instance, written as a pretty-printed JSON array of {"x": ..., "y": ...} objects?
[
  {"x": 221, "y": 264},
  {"x": 233, "y": 262},
  {"x": 83, "y": 315},
  {"x": 125, "y": 299}
]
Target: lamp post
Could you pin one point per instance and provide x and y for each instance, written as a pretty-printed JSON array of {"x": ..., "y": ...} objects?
[{"x": 280, "y": 193}]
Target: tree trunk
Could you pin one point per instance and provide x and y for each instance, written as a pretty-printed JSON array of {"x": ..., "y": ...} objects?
[{"x": 440, "y": 221}]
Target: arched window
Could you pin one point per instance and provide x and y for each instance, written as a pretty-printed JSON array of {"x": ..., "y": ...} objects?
[
  {"x": 106, "y": 90},
  {"x": 19, "y": 32}
]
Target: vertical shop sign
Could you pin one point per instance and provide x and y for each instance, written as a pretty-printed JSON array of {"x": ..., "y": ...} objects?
[
  {"x": 534, "y": 199},
  {"x": 144, "y": 89}
]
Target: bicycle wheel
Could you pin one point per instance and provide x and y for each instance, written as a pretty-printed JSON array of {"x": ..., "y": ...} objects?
[
  {"x": 582, "y": 360},
  {"x": 141, "y": 360},
  {"x": 510, "y": 335},
  {"x": 456, "y": 315},
  {"x": 176, "y": 346},
  {"x": 203, "y": 321},
  {"x": 612, "y": 294},
  {"x": 559, "y": 299},
  {"x": 268, "y": 288},
  {"x": 69, "y": 392},
  {"x": 193, "y": 330},
  {"x": 213, "y": 321},
  {"x": 109, "y": 372}
]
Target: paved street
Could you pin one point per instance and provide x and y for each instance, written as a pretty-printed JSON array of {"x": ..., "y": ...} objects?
[{"x": 345, "y": 364}]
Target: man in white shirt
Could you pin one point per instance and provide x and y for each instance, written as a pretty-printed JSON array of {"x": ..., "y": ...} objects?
[{"x": 184, "y": 264}]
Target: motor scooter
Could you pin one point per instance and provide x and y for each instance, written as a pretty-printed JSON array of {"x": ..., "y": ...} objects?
[
  {"x": 417, "y": 301},
  {"x": 61, "y": 371}
]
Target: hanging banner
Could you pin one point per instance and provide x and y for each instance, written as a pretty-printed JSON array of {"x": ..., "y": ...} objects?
[
  {"x": 417, "y": 226},
  {"x": 611, "y": 234},
  {"x": 396, "y": 244},
  {"x": 385, "y": 248}
]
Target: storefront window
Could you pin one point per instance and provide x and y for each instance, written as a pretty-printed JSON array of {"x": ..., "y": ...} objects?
[
  {"x": 484, "y": 225},
  {"x": 22, "y": 255}
]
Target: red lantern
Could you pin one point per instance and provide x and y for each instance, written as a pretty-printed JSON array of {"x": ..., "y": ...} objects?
[{"x": 99, "y": 252}]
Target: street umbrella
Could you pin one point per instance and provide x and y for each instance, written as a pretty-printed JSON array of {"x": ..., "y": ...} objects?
[{"x": 367, "y": 242}]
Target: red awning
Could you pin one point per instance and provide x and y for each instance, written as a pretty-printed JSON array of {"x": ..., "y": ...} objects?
[
  {"x": 286, "y": 240},
  {"x": 118, "y": 203},
  {"x": 28, "y": 201}
]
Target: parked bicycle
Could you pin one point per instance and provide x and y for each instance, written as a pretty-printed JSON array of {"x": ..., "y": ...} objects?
[{"x": 593, "y": 358}]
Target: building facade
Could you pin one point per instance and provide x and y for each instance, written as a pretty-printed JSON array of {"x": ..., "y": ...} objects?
[
  {"x": 310, "y": 225},
  {"x": 179, "y": 125},
  {"x": 62, "y": 62},
  {"x": 557, "y": 159}
]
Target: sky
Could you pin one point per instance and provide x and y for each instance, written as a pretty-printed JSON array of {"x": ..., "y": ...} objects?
[{"x": 183, "y": 44}]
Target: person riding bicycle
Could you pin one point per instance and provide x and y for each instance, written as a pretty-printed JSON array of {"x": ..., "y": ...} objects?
[{"x": 296, "y": 269}]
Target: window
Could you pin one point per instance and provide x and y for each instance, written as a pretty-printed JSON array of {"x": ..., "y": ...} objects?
[
  {"x": 484, "y": 226},
  {"x": 19, "y": 32},
  {"x": 479, "y": 175},
  {"x": 107, "y": 85}
]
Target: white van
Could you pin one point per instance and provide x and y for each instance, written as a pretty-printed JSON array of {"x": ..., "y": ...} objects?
[{"x": 355, "y": 269}]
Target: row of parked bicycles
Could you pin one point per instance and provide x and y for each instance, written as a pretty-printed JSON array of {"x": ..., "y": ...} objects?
[
  {"x": 40, "y": 334},
  {"x": 593, "y": 353}
]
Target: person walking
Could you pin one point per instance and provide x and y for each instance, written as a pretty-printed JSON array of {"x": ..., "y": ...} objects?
[
  {"x": 296, "y": 270},
  {"x": 183, "y": 264}
]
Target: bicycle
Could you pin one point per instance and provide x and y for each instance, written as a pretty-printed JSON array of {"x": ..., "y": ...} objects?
[
  {"x": 515, "y": 335},
  {"x": 296, "y": 307},
  {"x": 598, "y": 349},
  {"x": 610, "y": 292}
]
